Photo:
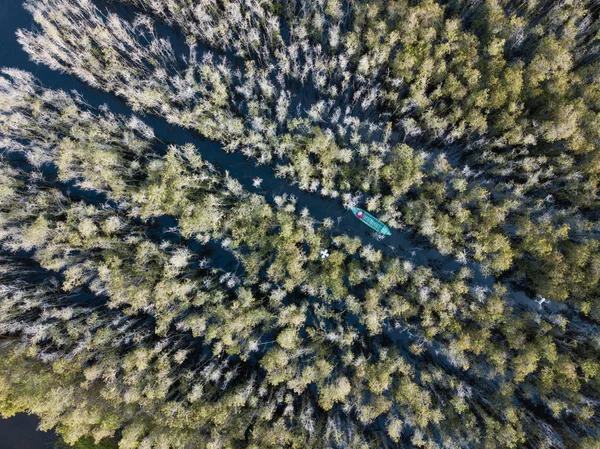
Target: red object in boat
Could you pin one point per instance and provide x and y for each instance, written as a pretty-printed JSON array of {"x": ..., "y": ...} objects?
[{"x": 360, "y": 215}]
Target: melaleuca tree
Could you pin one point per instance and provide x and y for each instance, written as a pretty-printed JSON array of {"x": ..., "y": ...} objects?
[
  {"x": 291, "y": 362},
  {"x": 85, "y": 443},
  {"x": 96, "y": 369},
  {"x": 348, "y": 75},
  {"x": 362, "y": 349},
  {"x": 387, "y": 379},
  {"x": 249, "y": 110},
  {"x": 96, "y": 248}
]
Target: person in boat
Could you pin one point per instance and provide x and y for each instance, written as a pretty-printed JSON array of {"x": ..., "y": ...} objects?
[{"x": 360, "y": 215}]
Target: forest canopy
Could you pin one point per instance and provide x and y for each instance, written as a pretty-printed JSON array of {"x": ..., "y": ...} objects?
[{"x": 472, "y": 129}]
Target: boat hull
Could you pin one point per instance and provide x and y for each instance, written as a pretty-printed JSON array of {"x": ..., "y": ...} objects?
[{"x": 371, "y": 221}]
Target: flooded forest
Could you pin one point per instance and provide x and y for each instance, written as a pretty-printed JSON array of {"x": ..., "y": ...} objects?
[{"x": 305, "y": 224}]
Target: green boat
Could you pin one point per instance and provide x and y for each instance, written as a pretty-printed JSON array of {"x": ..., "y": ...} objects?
[{"x": 371, "y": 221}]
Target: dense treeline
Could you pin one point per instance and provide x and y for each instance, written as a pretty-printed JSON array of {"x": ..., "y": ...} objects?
[
  {"x": 349, "y": 336},
  {"x": 474, "y": 124},
  {"x": 324, "y": 103}
]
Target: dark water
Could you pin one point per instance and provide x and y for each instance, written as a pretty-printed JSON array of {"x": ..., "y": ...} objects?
[{"x": 19, "y": 432}]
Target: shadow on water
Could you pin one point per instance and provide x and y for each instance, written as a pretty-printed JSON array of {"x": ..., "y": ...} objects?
[{"x": 20, "y": 432}]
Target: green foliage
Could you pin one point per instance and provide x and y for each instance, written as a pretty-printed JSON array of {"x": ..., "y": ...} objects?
[{"x": 473, "y": 124}]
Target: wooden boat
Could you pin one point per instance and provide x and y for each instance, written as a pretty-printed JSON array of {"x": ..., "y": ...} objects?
[{"x": 371, "y": 221}]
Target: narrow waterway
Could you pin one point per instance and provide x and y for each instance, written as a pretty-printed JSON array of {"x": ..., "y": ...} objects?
[
  {"x": 399, "y": 244},
  {"x": 11, "y": 55}
]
